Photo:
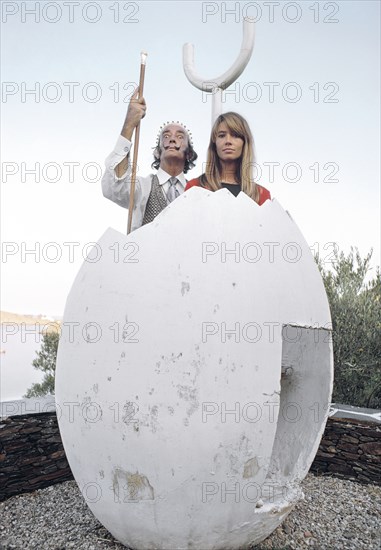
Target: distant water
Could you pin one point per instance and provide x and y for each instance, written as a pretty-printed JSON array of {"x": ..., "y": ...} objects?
[{"x": 18, "y": 351}]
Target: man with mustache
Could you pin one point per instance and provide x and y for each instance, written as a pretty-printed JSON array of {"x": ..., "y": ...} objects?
[{"x": 174, "y": 156}]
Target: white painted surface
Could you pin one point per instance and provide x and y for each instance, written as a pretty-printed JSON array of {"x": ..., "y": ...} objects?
[
  {"x": 216, "y": 85},
  {"x": 235, "y": 70},
  {"x": 142, "y": 422}
]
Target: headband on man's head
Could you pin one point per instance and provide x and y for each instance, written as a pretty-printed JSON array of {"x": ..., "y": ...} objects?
[{"x": 174, "y": 122}]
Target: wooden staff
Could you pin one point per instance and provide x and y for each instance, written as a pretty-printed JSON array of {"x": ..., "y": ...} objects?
[{"x": 143, "y": 57}]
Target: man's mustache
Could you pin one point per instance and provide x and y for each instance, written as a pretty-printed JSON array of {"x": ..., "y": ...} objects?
[{"x": 166, "y": 147}]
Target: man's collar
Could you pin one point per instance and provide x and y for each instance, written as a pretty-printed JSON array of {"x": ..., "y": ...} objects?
[{"x": 163, "y": 177}]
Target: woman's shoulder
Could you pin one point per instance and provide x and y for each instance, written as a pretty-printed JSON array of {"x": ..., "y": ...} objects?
[
  {"x": 193, "y": 183},
  {"x": 264, "y": 194}
]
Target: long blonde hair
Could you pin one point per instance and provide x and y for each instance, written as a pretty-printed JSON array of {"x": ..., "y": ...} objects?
[{"x": 238, "y": 126}]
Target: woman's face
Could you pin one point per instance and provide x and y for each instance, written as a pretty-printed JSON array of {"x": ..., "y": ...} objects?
[{"x": 229, "y": 146}]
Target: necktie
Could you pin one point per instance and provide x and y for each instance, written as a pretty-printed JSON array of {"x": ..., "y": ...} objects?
[{"x": 172, "y": 192}]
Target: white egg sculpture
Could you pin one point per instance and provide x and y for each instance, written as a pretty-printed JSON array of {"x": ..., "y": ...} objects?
[{"x": 194, "y": 372}]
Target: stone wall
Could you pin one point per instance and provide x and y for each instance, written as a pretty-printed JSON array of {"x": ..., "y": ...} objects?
[
  {"x": 350, "y": 449},
  {"x": 32, "y": 455}
]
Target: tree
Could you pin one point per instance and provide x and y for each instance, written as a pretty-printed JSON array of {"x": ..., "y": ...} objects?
[
  {"x": 356, "y": 322},
  {"x": 46, "y": 361}
]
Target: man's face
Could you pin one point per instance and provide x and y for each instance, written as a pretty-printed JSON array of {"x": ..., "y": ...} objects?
[{"x": 174, "y": 142}]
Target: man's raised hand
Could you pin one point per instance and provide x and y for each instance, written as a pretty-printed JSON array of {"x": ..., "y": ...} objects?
[{"x": 135, "y": 112}]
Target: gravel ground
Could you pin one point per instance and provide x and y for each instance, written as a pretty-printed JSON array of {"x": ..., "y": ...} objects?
[{"x": 335, "y": 514}]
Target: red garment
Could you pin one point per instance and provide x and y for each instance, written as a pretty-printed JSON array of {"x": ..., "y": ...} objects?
[{"x": 264, "y": 194}]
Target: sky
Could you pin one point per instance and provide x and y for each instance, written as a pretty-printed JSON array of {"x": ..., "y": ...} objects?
[{"x": 310, "y": 93}]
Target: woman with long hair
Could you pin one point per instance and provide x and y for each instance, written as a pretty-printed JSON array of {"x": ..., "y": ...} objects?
[{"x": 230, "y": 159}]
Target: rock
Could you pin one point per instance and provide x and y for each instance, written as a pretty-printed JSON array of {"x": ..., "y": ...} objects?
[{"x": 371, "y": 448}]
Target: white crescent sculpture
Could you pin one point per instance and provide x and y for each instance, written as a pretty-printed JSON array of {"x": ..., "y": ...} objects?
[
  {"x": 193, "y": 374},
  {"x": 217, "y": 84}
]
